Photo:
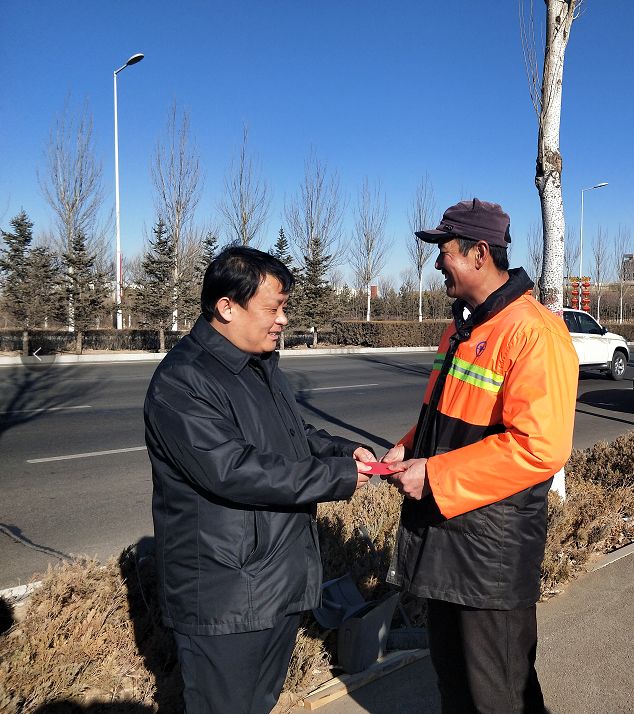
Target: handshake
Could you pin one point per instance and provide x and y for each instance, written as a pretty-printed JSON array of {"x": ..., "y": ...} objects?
[{"x": 408, "y": 476}]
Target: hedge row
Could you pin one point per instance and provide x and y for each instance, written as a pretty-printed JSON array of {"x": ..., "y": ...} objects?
[
  {"x": 56, "y": 341},
  {"x": 621, "y": 328},
  {"x": 392, "y": 333}
]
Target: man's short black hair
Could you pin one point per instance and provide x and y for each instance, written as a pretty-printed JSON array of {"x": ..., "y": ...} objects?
[
  {"x": 237, "y": 272},
  {"x": 499, "y": 255}
]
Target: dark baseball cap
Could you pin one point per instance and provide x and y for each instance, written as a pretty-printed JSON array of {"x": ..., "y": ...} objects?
[{"x": 474, "y": 220}]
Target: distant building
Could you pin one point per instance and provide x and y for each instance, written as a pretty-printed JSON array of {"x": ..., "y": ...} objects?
[{"x": 628, "y": 267}]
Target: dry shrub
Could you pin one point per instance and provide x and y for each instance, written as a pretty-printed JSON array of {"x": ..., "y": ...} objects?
[
  {"x": 598, "y": 514},
  {"x": 90, "y": 634},
  {"x": 93, "y": 634}
]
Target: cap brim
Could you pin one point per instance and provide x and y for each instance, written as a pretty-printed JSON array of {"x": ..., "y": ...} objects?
[{"x": 434, "y": 236}]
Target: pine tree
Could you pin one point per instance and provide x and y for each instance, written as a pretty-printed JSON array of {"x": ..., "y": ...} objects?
[
  {"x": 192, "y": 277},
  {"x": 154, "y": 298},
  {"x": 315, "y": 295},
  {"x": 28, "y": 277},
  {"x": 47, "y": 299},
  {"x": 209, "y": 250},
  {"x": 14, "y": 267},
  {"x": 86, "y": 287},
  {"x": 281, "y": 250}
]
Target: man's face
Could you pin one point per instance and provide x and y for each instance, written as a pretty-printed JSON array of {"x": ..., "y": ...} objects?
[
  {"x": 257, "y": 328},
  {"x": 458, "y": 270}
]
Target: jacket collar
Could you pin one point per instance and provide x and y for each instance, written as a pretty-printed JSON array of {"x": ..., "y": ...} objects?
[
  {"x": 232, "y": 357},
  {"x": 517, "y": 284}
]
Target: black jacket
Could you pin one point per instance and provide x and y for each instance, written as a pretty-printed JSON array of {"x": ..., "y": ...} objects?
[{"x": 236, "y": 476}]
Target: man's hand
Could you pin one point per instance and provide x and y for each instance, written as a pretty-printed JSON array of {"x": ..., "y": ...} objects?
[
  {"x": 412, "y": 482},
  {"x": 396, "y": 453},
  {"x": 363, "y": 454},
  {"x": 362, "y": 478}
]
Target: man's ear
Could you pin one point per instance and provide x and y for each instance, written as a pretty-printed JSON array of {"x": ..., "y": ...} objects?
[
  {"x": 223, "y": 309},
  {"x": 482, "y": 253}
]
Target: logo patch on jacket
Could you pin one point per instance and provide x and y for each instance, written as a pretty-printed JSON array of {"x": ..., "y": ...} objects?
[{"x": 480, "y": 347}]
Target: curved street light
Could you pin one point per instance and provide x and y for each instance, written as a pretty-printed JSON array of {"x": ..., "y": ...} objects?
[
  {"x": 119, "y": 319},
  {"x": 591, "y": 188}
]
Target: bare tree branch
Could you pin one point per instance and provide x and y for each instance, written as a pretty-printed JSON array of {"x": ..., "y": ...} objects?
[
  {"x": 245, "y": 205},
  {"x": 315, "y": 214},
  {"x": 420, "y": 216},
  {"x": 369, "y": 247},
  {"x": 177, "y": 181}
]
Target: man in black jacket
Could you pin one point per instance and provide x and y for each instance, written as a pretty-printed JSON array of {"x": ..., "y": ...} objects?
[{"x": 237, "y": 475}]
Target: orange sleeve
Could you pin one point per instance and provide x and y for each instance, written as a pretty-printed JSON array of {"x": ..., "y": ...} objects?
[{"x": 539, "y": 394}]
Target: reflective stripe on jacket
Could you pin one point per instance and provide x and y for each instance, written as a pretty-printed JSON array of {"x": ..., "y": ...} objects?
[{"x": 501, "y": 427}]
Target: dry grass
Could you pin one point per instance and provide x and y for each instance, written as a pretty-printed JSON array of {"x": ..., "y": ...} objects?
[{"x": 92, "y": 634}]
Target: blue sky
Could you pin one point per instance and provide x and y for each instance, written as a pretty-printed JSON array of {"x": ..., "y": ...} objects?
[{"x": 390, "y": 91}]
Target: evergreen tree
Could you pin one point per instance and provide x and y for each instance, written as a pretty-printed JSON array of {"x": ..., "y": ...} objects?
[
  {"x": 281, "y": 250},
  {"x": 86, "y": 287},
  {"x": 192, "y": 275},
  {"x": 15, "y": 270},
  {"x": 47, "y": 299},
  {"x": 28, "y": 277},
  {"x": 154, "y": 298},
  {"x": 315, "y": 298},
  {"x": 209, "y": 250}
]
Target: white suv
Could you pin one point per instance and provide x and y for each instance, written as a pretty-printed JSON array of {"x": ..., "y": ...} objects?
[{"x": 596, "y": 347}]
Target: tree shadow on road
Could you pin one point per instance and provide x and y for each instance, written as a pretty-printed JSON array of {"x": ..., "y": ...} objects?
[
  {"x": 29, "y": 392},
  {"x": 614, "y": 400}
]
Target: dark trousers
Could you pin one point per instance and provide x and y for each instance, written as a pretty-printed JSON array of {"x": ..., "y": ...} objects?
[
  {"x": 484, "y": 659},
  {"x": 241, "y": 673}
]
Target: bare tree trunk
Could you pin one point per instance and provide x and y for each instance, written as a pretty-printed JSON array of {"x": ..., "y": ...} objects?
[
  {"x": 560, "y": 15},
  {"x": 420, "y": 216},
  {"x": 559, "y": 18},
  {"x": 161, "y": 339},
  {"x": 369, "y": 246},
  {"x": 25, "y": 343},
  {"x": 79, "y": 341}
]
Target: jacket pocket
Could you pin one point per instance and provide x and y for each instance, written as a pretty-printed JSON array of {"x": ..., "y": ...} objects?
[
  {"x": 471, "y": 523},
  {"x": 252, "y": 542}
]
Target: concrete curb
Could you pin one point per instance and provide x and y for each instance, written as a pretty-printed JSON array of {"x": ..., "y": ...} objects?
[
  {"x": 19, "y": 593},
  {"x": 157, "y": 357},
  {"x": 612, "y": 557}
]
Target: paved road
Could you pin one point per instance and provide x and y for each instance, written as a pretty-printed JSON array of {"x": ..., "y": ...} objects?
[{"x": 97, "y": 503}]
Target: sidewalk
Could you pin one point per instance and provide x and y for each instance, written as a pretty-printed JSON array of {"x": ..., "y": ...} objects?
[
  {"x": 585, "y": 656},
  {"x": 106, "y": 357}
]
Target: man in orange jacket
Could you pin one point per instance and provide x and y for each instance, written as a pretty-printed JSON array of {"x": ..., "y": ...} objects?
[{"x": 496, "y": 424}]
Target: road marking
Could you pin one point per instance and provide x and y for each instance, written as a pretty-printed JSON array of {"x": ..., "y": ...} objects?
[
  {"x": 46, "y": 409},
  {"x": 85, "y": 456},
  {"x": 347, "y": 386}
]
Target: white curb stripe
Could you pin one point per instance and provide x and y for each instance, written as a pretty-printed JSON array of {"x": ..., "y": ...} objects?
[{"x": 86, "y": 455}]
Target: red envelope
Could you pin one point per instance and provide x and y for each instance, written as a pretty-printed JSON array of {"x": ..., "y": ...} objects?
[{"x": 378, "y": 468}]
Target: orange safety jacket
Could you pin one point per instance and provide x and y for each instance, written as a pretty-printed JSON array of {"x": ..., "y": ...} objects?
[{"x": 496, "y": 424}]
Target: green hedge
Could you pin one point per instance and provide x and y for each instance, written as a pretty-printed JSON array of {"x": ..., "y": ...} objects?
[
  {"x": 57, "y": 341},
  {"x": 389, "y": 333}
]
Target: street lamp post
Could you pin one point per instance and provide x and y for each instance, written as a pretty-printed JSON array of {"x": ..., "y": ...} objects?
[
  {"x": 119, "y": 320},
  {"x": 591, "y": 188}
]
